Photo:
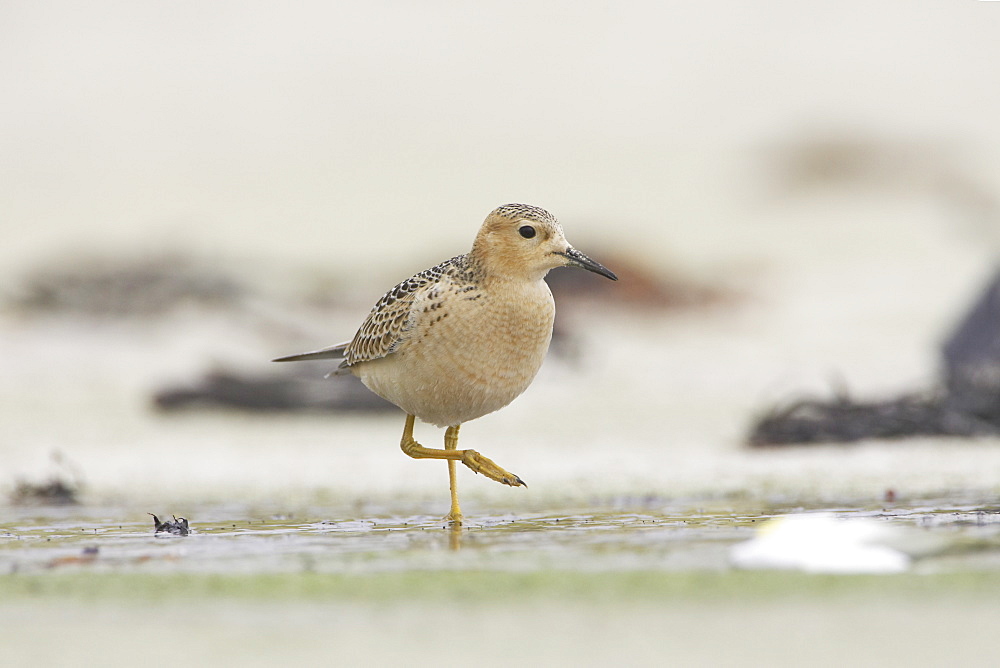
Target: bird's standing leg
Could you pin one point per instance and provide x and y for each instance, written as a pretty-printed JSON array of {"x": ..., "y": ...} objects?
[
  {"x": 451, "y": 443},
  {"x": 470, "y": 458}
]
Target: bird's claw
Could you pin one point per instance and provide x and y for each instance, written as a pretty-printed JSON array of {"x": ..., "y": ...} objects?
[{"x": 480, "y": 464}]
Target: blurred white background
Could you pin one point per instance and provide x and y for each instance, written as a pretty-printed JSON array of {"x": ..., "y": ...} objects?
[
  {"x": 834, "y": 163},
  {"x": 329, "y": 132}
]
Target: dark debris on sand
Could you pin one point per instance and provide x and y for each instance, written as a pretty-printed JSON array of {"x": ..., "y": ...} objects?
[
  {"x": 965, "y": 403},
  {"x": 845, "y": 420},
  {"x": 114, "y": 288},
  {"x": 52, "y": 492},
  {"x": 62, "y": 487},
  {"x": 293, "y": 390},
  {"x": 178, "y": 527}
]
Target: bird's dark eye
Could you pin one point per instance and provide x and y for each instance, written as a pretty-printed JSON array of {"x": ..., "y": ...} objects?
[{"x": 527, "y": 231}]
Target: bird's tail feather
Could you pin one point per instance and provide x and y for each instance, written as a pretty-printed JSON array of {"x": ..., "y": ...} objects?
[{"x": 333, "y": 352}]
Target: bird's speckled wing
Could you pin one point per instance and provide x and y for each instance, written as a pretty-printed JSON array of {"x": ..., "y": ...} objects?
[{"x": 392, "y": 318}]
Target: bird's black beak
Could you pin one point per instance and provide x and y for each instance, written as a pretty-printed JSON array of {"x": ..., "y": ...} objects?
[{"x": 578, "y": 259}]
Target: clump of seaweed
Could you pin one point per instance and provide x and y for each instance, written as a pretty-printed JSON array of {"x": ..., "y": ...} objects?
[
  {"x": 114, "y": 288},
  {"x": 60, "y": 488},
  {"x": 965, "y": 402},
  {"x": 845, "y": 420}
]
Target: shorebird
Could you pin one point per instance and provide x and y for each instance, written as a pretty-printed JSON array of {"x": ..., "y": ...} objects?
[{"x": 466, "y": 337}]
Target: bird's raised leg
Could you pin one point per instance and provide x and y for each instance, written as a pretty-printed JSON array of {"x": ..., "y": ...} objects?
[{"x": 470, "y": 458}]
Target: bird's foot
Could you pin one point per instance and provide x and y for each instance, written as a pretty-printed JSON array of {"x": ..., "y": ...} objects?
[{"x": 486, "y": 466}]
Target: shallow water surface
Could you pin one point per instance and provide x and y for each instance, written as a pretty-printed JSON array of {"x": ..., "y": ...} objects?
[{"x": 227, "y": 540}]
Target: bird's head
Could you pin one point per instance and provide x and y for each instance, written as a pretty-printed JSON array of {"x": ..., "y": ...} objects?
[{"x": 520, "y": 241}]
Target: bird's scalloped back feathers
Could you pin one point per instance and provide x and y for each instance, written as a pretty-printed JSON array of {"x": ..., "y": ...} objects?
[{"x": 391, "y": 318}]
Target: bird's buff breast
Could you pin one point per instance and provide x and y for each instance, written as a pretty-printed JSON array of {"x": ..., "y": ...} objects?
[{"x": 466, "y": 358}]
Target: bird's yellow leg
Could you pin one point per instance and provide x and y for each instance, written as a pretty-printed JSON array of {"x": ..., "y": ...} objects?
[
  {"x": 470, "y": 458},
  {"x": 451, "y": 443}
]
